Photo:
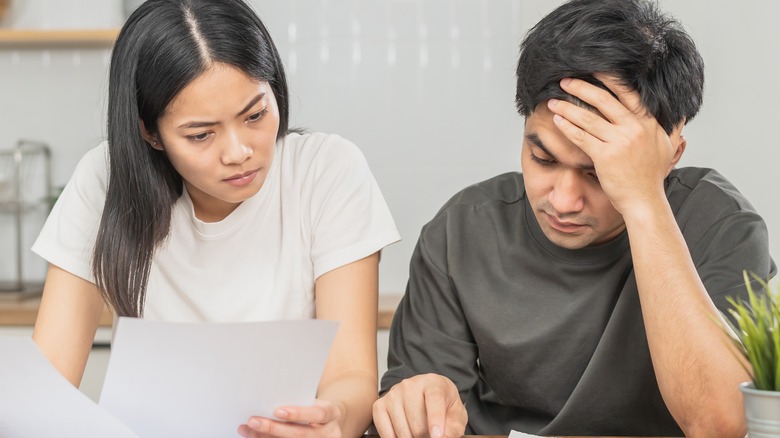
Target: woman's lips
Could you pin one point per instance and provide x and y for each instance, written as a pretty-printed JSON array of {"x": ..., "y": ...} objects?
[{"x": 243, "y": 179}]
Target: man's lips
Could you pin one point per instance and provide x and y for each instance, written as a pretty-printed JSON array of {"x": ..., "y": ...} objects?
[{"x": 565, "y": 227}]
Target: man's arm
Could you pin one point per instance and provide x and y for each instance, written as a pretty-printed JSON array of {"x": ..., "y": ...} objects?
[
  {"x": 697, "y": 373},
  {"x": 432, "y": 355}
]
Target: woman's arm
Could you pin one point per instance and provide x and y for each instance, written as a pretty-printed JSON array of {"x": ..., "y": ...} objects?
[
  {"x": 67, "y": 321},
  {"x": 348, "y": 387},
  {"x": 349, "y": 295}
]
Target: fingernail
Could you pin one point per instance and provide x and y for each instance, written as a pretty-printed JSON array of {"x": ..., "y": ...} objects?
[
  {"x": 436, "y": 432},
  {"x": 565, "y": 81},
  {"x": 552, "y": 102},
  {"x": 557, "y": 118},
  {"x": 281, "y": 413},
  {"x": 242, "y": 431},
  {"x": 255, "y": 423}
]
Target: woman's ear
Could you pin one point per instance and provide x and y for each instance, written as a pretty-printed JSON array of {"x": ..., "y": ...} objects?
[{"x": 153, "y": 140}]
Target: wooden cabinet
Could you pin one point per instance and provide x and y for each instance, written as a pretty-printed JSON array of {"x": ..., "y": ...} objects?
[{"x": 59, "y": 38}]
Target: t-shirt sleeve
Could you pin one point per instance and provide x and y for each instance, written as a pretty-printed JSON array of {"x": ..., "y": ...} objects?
[
  {"x": 736, "y": 242},
  {"x": 430, "y": 332},
  {"x": 349, "y": 217},
  {"x": 67, "y": 239}
]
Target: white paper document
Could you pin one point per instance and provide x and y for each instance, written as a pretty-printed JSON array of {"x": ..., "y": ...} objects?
[
  {"x": 516, "y": 434},
  {"x": 205, "y": 379},
  {"x": 36, "y": 401}
]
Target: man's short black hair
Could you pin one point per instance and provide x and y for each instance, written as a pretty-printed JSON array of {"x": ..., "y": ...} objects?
[{"x": 631, "y": 39}]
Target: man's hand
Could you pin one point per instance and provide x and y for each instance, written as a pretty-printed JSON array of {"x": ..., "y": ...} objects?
[
  {"x": 630, "y": 150},
  {"x": 421, "y": 406}
]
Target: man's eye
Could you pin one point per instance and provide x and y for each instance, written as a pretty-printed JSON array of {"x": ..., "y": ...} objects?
[{"x": 541, "y": 161}]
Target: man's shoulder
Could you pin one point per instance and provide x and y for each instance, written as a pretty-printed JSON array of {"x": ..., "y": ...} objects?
[
  {"x": 507, "y": 188},
  {"x": 494, "y": 201},
  {"x": 705, "y": 189}
]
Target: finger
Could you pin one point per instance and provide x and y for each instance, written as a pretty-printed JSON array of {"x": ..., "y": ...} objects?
[
  {"x": 416, "y": 416},
  {"x": 436, "y": 411},
  {"x": 581, "y": 138},
  {"x": 320, "y": 413},
  {"x": 382, "y": 421},
  {"x": 400, "y": 425},
  {"x": 267, "y": 427},
  {"x": 246, "y": 432},
  {"x": 397, "y": 413},
  {"x": 455, "y": 427},
  {"x": 611, "y": 109},
  {"x": 586, "y": 119},
  {"x": 628, "y": 96},
  {"x": 457, "y": 418}
]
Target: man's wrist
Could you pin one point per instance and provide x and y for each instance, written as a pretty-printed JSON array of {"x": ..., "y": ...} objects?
[{"x": 645, "y": 213}]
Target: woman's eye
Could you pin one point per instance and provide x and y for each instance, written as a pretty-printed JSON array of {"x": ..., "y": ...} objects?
[
  {"x": 256, "y": 116},
  {"x": 199, "y": 137}
]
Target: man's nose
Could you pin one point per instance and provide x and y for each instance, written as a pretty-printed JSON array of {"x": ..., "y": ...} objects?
[{"x": 567, "y": 195}]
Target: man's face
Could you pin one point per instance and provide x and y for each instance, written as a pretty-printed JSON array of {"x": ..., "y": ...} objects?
[{"x": 563, "y": 190}]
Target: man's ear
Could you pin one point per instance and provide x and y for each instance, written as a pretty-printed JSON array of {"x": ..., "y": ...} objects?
[
  {"x": 679, "y": 143},
  {"x": 150, "y": 138}
]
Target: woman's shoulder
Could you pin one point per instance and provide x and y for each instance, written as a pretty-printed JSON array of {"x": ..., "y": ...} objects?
[{"x": 93, "y": 166}]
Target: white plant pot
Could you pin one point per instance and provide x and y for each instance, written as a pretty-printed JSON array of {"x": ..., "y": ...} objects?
[{"x": 762, "y": 411}]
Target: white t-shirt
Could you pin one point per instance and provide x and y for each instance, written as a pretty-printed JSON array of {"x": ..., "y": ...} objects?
[{"x": 319, "y": 208}]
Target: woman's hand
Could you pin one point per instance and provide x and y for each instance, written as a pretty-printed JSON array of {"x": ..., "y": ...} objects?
[{"x": 318, "y": 420}]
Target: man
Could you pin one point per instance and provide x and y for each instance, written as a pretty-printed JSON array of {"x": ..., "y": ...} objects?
[{"x": 582, "y": 296}]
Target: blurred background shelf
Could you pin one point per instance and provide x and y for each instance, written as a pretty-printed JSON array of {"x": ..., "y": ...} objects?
[
  {"x": 25, "y": 186},
  {"x": 36, "y": 38}
]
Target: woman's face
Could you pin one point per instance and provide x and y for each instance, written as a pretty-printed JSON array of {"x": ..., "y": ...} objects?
[{"x": 219, "y": 133}]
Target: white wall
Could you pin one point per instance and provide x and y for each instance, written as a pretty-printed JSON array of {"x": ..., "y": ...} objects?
[{"x": 424, "y": 87}]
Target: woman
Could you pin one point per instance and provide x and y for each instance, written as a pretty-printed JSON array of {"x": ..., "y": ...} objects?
[{"x": 202, "y": 206}]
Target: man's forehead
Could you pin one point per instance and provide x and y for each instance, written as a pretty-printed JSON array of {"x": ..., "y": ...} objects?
[{"x": 542, "y": 133}]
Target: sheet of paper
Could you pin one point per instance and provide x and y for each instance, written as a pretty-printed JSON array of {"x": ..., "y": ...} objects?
[
  {"x": 516, "y": 434},
  {"x": 205, "y": 379},
  {"x": 35, "y": 400}
]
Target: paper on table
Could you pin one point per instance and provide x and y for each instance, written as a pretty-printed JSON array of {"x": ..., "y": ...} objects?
[
  {"x": 205, "y": 379},
  {"x": 35, "y": 400},
  {"x": 516, "y": 434}
]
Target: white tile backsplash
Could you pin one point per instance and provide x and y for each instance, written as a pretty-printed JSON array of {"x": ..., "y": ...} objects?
[
  {"x": 424, "y": 87},
  {"x": 64, "y": 14}
]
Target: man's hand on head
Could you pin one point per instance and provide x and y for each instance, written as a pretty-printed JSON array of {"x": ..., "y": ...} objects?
[
  {"x": 631, "y": 152},
  {"x": 426, "y": 405}
]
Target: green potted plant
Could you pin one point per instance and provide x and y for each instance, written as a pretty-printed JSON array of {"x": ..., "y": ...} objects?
[{"x": 756, "y": 325}]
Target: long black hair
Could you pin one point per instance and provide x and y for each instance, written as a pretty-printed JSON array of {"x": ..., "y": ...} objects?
[
  {"x": 163, "y": 46},
  {"x": 632, "y": 39}
]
